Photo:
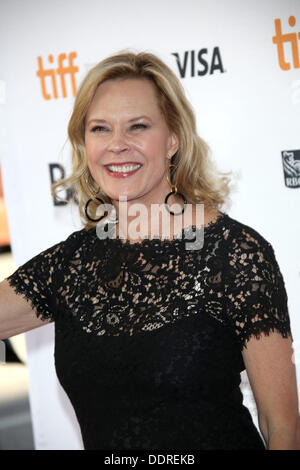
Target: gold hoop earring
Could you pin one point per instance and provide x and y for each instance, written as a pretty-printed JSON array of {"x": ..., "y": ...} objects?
[
  {"x": 174, "y": 191},
  {"x": 94, "y": 193}
]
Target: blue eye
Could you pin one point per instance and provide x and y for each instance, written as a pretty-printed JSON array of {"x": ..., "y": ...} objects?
[
  {"x": 98, "y": 128},
  {"x": 133, "y": 127},
  {"x": 139, "y": 126}
]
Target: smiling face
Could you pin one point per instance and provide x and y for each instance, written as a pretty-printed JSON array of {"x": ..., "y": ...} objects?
[{"x": 128, "y": 142}]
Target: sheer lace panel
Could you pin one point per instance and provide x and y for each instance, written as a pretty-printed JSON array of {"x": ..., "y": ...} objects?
[
  {"x": 129, "y": 288},
  {"x": 255, "y": 292},
  {"x": 38, "y": 278},
  {"x": 109, "y": 287}
]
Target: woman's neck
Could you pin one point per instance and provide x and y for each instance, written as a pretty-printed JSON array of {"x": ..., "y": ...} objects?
[{"x": 140, "y": 221}]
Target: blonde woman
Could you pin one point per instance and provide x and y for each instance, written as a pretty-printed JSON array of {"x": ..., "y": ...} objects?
[{"x": 151, "y": 334}]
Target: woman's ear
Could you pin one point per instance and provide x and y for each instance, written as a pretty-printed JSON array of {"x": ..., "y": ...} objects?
[{"x": 174, "y": 146}]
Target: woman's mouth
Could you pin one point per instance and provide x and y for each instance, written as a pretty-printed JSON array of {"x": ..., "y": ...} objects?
[{"x": 122, "y": 170}]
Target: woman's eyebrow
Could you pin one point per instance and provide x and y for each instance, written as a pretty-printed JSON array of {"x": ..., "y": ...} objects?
[
  {"x": 102, "y": 121},
  {"x": 98, "y": 121},
  {"x": 139, "y": 117}
]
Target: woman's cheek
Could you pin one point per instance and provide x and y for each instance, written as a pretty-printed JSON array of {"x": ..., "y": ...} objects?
[{"x": 94, "y": 153}]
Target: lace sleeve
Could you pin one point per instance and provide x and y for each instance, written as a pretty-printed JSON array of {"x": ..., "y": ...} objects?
[
  {"x": 37, "y": 279},
  {"x": 256, "y": 297}
]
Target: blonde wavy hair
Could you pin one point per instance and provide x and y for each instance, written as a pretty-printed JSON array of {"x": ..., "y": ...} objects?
[{"x": 196, "y": 175}]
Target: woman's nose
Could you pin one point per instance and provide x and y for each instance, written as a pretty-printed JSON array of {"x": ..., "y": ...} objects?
[{"x": 118, "y": 142}]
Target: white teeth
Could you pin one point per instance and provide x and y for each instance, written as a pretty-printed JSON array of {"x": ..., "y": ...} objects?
[{"x": 123, "y": 169}]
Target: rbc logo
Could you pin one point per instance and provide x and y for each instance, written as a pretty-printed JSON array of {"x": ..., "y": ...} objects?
[
  {"x": 291, "y": 168},
  {"x": 289, "y": 38},
  {"x": 62, "y": 70}
]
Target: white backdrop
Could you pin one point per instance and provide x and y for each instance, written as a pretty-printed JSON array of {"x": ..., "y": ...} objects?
[{"x": 244, "y": 87}]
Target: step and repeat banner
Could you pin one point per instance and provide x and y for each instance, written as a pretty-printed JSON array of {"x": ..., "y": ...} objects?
[{"x": 239, "y": 62}]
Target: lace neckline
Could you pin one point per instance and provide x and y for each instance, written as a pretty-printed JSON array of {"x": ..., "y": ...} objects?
[{"x": 187, "y": 234}]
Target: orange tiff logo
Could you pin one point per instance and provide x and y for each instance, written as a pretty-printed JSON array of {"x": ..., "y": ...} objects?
[
  {"x": 61, "y": 71},
  {"x": 288, "y": 38}
]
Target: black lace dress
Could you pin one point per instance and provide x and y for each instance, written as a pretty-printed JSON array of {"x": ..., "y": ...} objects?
[{"x": 148, "y": 336}]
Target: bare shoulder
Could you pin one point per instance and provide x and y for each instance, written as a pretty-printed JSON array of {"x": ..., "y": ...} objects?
[{"x": 210, "y": 215}]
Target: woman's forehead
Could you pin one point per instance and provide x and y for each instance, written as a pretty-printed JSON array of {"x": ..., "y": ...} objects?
[
  {"x": 127, "y": 95},
  {"x": 126, "y": 87}
]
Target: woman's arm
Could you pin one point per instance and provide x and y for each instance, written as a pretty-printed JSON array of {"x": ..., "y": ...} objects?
[
  {"x": 16, "y": 313},
  {"x": 272, "y": 376}
]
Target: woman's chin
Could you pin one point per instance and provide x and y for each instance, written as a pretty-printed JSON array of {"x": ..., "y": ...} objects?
[{"x": 124, "y": 196}]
